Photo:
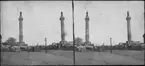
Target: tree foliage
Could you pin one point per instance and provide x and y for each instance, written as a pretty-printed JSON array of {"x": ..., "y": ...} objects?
[
  {"x": 11, "y": 41},
  {"x": 79, "y": 41}
]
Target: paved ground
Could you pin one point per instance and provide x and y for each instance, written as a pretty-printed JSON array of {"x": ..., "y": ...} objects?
[
  {"x": 60, "y": 57},
  {"x": 113, "y": 59},
  {"x": 139, "y": 55},
  {"x": 103, "y": 58},
  {"x": 35, "y": 58}
]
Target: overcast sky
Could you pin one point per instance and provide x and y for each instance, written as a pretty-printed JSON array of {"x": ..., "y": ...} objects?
[{"x": 41, "y": 19}]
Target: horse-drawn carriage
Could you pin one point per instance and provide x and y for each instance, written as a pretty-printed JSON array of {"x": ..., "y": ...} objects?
[
  {"x": 82, "y": 48},
  {"x": 90, "y": 48},
  {"x": 17, "y": 48}
]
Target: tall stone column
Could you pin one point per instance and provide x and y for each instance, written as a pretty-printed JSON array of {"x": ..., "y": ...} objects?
[
  {"x": 62, "y": 29},
  {"x": 87, "y": 29},
  {"x": 128, "y": 18},
  {"x": 20, "y": 29}
]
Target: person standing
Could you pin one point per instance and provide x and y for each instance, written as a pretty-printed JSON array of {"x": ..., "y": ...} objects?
[
  {"x": 144, "y": 38},
  {"x": 33, "y": 49},
  {"x": 0, "y": 38}
]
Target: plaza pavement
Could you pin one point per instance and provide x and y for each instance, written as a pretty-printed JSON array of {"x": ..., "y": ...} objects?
[{"x": 66, "y": 58}]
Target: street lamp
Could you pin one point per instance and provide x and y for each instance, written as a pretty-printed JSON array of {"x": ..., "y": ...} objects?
[
  {"x": 45, "y": 45},
  {"x": 111, "y": 44}
]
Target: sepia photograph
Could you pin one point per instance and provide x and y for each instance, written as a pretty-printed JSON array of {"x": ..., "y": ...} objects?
[{"x": 73, "y": 32}]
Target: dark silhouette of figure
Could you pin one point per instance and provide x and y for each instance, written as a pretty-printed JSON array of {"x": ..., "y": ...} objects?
[
  {"x": 144, "y": 38},
  {"x": 33, "y": 49},
  {"x": 0, "y": 38}
]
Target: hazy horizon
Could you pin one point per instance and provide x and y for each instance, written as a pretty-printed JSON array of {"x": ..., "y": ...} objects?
[{"x": 41, "y": 19}]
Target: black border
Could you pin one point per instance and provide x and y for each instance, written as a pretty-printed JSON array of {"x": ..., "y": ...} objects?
[
  {"x": 71, "y": 0},
  {"x": 70, "y": 65}
]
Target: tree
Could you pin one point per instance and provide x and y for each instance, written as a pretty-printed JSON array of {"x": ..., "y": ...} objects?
[
  {"x": 79, "y": 41},
  {"x": 11, "y": 41}
]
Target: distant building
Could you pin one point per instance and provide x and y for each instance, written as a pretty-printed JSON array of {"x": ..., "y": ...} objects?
[
  {"x": 70, "y": 42},
  {"x": 136, "y": 42},
  {"x": 54, "y": 43},
  {"x": 122, "y": 43}
]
